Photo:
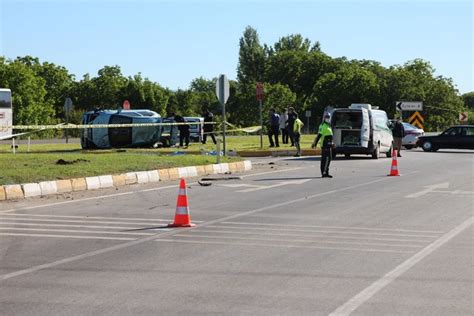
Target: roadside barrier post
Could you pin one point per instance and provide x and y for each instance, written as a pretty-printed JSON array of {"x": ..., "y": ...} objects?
[
  {"x": 29, "y": 142},
  {"x": 218, "y": 150},
  {"x": 13, "y": 145}
]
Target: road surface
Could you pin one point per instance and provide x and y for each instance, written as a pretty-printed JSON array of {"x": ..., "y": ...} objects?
[{"x": 281, "y": 240}]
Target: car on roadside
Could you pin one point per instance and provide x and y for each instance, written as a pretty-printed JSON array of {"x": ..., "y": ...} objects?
[
  {"x": 455, "y": 137},
  {"x": 412, "y": 133}
]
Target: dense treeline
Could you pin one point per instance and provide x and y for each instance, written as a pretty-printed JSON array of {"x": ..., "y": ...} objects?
[{"x": 295, "y": 71}]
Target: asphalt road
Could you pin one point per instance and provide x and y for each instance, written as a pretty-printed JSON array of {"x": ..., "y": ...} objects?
[{"x": 280, "y": 241}]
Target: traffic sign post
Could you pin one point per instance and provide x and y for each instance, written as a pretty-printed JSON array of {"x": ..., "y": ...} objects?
[
  {"x": 463, "y": 117},
  {"x": 222, "y": 92},
  {"x": 67, "y": 109},
  {"x": 260, "y": 99}
]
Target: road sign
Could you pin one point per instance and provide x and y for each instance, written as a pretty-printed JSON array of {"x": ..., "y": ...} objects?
[
  {"x": 222, "y": 89},
  {"x": 308, "y": 113},
  {"x": 260, "y": 94},
  {"x": 126, "y": 105},
  {"x": 417, "y": 120},
  {"x": 463, "y": 116},
  {"x": 68, "y": 105},
  {"x": 409, "y": 106}
]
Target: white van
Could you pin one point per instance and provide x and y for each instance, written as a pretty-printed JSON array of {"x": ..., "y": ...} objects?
[{"x": 361, "y": 129}]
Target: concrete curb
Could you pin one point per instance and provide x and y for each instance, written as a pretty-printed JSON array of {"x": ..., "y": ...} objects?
[{"x": 26, "y": 190}]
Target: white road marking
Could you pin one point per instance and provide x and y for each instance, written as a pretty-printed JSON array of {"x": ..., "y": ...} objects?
[
  {"x": 282, "y": 246},
  {"x": 337, "y": 227},
  {"x": 125, "y": 193},
  {"x": 88, "y": 217},
  {"x": 75, "y": 226},
  {"x": 322, "y": 230},
  {"x": 268, "y": 172},
  {"x": 5, "y": 276},
  {"x": 88, "y": 199},
  {"x": 307, "y": 235},
  {"x": 195, "y": 235},
  {"x": 266, "y": 187},
  {"x": 74, "y": 231},
  {"x": 76, "y": 221},
  {"x": 363, "y": 296},
  {"x": 173, "y": 232},
  {"x": 428, "y": 189}
]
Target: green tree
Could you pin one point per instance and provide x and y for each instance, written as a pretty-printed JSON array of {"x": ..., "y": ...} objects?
[
  {"x": 251, "y": 65},
  {"x": 468, "y": 99}
]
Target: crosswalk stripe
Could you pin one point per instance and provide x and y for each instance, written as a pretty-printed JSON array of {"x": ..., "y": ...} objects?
[
  {"x": 74, "y": 231},
  {"x": 79, "y": 221},
  {"x": 66, "y": 236},
  {"x": 282, "y": 246},
  {"x": 74, "y": 226},
  {"x": 298, "y": 241},
  {"x": 337, "y": 227},
  {"x": 323, "y": 231},
  {"x": 197, "y": 231}
]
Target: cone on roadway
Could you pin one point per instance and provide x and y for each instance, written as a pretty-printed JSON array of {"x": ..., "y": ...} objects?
[
  {"x": 182, "y": 217},
  {"x": 394, "y": 167}
]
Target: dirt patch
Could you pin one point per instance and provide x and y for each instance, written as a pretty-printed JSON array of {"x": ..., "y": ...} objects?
[{"x": 70, "y": 162}]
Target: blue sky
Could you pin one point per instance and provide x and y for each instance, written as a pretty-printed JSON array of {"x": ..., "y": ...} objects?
[{"x": 173, "y": 42}]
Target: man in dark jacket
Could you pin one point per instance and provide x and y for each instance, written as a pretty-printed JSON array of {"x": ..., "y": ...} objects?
[
  {"x": 183, "y": 130},
  {"x": 398, "y": 132},
  {"x": 208, "y": 128},
  {"x": 273, "y": 127},
  {"x": 292, "y": 116}
]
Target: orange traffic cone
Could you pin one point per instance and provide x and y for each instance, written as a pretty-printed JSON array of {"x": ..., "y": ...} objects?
[
  {"x": 182, "y": 217},
  {"x": 394, "y": 167}
]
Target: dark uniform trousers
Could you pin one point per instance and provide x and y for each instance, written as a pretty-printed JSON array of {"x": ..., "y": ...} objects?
[{"x": 326, "y": 157}]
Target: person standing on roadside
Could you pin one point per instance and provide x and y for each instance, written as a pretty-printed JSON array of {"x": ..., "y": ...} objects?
[
  {"x": 183, "y": 131},
  {"x": 325, "y": 133},
  {"x": 208, "y": 126},
  {"x": 291, "y": 122},
  {"x": 274, "y": 127},
  {"x": 297, "y": 126},
  {"x": 398, "y": 132},
  {"x": 284, "y": 127}
]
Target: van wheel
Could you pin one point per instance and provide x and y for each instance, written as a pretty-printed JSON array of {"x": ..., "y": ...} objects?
[
  {"x": 376, "y": 153},
  {"x": 389, "y": 152}
]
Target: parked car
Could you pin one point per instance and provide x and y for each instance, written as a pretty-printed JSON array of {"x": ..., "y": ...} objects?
[
  {"x": 456, "y": 137},
  {"x": 412, "y": 133}
]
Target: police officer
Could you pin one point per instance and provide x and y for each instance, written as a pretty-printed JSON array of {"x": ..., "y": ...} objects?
[{"x": 325, "y": 132}]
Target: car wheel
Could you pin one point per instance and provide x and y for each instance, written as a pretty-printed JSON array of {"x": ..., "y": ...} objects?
[
  {"x": 376, "y": 153},
  {"x": 408, "y": 147},
  {"x": 427, "y": 146}
]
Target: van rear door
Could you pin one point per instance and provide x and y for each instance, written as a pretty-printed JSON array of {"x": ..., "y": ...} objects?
[{"x": 365, "y": 129}]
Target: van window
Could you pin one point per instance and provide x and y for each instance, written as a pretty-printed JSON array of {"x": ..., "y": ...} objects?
[
  {"x": 347, "y": 120},
  {"x": 380, "y": 118}
]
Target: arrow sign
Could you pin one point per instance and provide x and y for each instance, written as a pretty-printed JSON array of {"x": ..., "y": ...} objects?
[
  {"x": 417, "y": 120},
  {"x": 409, "y": 106},
  {"x": 398, "y": 106},
  {"x": 463, "y": 116},
  {"x": 429, "y": 188}
]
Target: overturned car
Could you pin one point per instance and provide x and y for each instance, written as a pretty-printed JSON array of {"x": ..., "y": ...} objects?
[{"x": 119, "y": 137}]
